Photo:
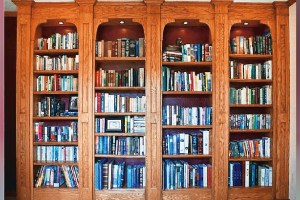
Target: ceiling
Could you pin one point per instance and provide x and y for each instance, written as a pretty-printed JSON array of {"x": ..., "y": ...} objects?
[{"x": 9, "y": 6}]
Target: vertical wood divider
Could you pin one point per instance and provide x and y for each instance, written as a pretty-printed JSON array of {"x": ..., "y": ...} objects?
[
  {"x": 85, "y": 96},
  {"x": 221, "y": 89},
  {"x": 153, "y": 95},
  {"x": 282, "y": 100},
  {"x": 23, "y": 152}
]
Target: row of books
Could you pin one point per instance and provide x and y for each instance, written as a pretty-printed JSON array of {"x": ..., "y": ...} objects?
[
  {"x": 59, "y": 41},
  {"x": 250, "y": 71},
  {"x": 67, "y": 133},
  {"x": 185, "y": 81},
  {"x": 120, "y": 145},
  {"x": 250, "y": 121},
  {"x": 179, "y": 115},
  {"x": 187, "y": 143},
  {"x": 57, "y": 82},
  {"x": 246, "y": 95},
  {"x": 63, "y": 62},
  {"x": 122, "y": 47},
  {"x": 130, "y": 124},
  {"x": 180, "y": 174},
  {"x": 52, "y": 106},
  {"x": 120, "y": 78},
  {"x": 105, "y": 102},
  {"x": 57, "y": 153},
  {"x": 188, "y": 53},
  {"x": 110, "y": 174},
  {"x": 256, "y": 148},
  {"x": 261, "y": 44},
  {"x": 57, "y": 176},
  {"x": 254, "y": 174}
]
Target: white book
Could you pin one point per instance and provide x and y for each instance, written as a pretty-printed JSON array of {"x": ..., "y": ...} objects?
[
  {"x": 247, "y": 173},
  {"x": 182, "y": 143},
  {"x": 205, "y": 176},
  {"x": 205, "y": 142},
  {"x": 186, "y": 143}
]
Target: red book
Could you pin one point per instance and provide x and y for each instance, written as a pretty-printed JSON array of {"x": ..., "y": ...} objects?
[
  {"x": 209, "y": 176},
  {"x": 97, "y": 78}
]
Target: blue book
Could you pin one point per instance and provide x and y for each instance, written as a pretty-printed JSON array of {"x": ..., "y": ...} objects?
[{"x": 97, "y": 187}]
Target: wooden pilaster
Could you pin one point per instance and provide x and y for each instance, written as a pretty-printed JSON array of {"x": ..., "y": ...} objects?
[
  {"x": 282, "y": 100},
  {"x": 23, "y": 153},
  {"x": 85, "y": 97},
  {"x": 221, "y": 90},
  {"x": 153, "y": 94}
]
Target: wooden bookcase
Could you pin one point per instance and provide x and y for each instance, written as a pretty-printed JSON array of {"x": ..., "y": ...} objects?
[{"x": 160, "y": 24}]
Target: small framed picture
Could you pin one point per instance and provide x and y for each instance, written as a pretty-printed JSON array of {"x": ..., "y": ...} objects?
[
  {"x": 114, "y": 124},
  {"x": 73, "y": 105}
]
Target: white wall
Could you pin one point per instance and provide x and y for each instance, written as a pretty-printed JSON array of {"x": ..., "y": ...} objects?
[{"x": 293, "y": 102}]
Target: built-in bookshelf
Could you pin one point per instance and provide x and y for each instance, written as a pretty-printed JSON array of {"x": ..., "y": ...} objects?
[
  {"x": 55, "y": 107},
  {"x": 120, "y": 109},
  {"x": 187, "y": 108},
  {"x": 251, "y": 107}
]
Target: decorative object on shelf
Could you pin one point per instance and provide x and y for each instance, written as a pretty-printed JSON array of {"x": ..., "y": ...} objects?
[
  {"x": 114, "y": 124},
  {"x": 73, "y": 106}
]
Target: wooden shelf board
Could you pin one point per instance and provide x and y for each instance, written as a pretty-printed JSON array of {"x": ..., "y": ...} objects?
[
  {"x": 54, "y": 163},
  {"x": 120, "y": 88},
  {"x": 120, "y": 114},
  {"x": 57, "y": 51},
  {"x": 120, "y": 59},
  {"x": 196, "y": 64},
  {"x": 250, "y": 81},
  {"x": 251, "y": 105},
  {"x": 55, "y": 71},
  {"x": 56, "y": 193},
  {"x": 124, "y": 193},
  {"x": 120, "y": 134},
  {"x": 55, "y": 118},
  {"x": 55, "y": 92},
  {"x": 250, "y": 131},
  {"x": 255, "y": 193},
  {"x": 55, "y": 143},
  {"x": 186, "y": 126},
  {"x": 118, "y": 156},
  {"x": 250, "y": 159},
  {"x": 186, "y": 93},
  {"x": 250, "y": 57},
  {"x": 187, "y": 156},
  {"x": 188, "y": 193}
]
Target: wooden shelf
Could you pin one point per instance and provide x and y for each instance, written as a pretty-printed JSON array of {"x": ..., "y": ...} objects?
[
  {"x": 188, "y": 193},
  {"x": 56, "y": 93},
  {"x": 56, "y": 51},
  {"x": 250, "y": 159},
  {"x": 251, "y": 105},
  {"x": 55, "y": 71},
  {"x": 186, "y": 93},
  {"x": 186, "y": 126},
  {"x": 195, "y": 64},
  {"x": 187, "y": 156},
  {"x": 250, "y": 131},
  {"x": 250, "y": 57},
  {"x": 36, "y": 163},
  {"x": 120, "y": 114},
  {"x": 120, "y": 88},
  {"x": 120, "y": 134},
  {"x": 118, "y": 156},
  {"x": 122, "y": 193},
  {"x": 251, "y": 81},
  {"x": 124, "y": 59},
  {"x": 55, "y": 118},
  {"x": 56, "y": 193},
  {"x": 250, "y": 193},
  {"x": 56, "y": 143}
]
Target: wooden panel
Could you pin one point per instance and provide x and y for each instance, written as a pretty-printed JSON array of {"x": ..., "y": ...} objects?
[
  {"x": 256, "y": 193},
  {"x": 120, "y": 194},
  {"x": 220, "y": 98},
  {"x": 24, "y": 176},
  {"x": 247, "y": 11},
  {"x": 55, "y": 11},
  {"x": 126, "y": 10},
  {"x": 282, "y": 102},
  {"x": 187, "y": 194},
  {"x": 54, "y": 194}
]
